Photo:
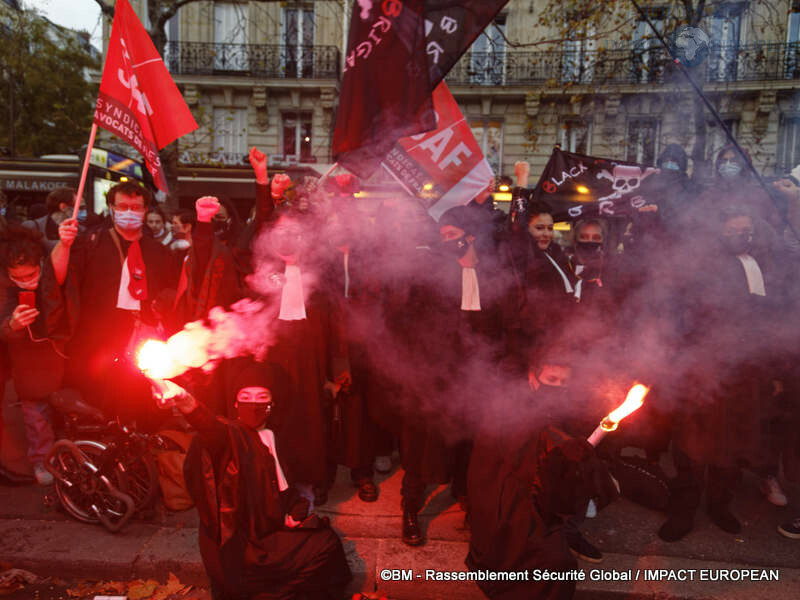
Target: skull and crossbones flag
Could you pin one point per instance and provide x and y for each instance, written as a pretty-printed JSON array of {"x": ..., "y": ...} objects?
[
  {"x": 138, "y": 101},
  {"x": 577, "y": 186},
  {"x": 397, "y": 53}
]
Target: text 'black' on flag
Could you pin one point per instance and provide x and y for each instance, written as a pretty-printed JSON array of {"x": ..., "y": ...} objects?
[
  {"x": 397, "y": 53},
  {"x": 577, "y": 186}
]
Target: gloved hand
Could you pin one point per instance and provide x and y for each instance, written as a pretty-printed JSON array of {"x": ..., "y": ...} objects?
[{"x": 570, "y": 474}]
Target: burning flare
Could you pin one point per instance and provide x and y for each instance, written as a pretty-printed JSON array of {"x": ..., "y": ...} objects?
[
  {"x": 633, "y": 402},
  {"x": 156, "y": 361}
]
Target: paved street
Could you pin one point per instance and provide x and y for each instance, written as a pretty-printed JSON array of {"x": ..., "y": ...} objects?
[{"x": 42, "y": 539}]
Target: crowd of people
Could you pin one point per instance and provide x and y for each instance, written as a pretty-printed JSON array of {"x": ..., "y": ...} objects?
[{"x": 485, "y": 349}]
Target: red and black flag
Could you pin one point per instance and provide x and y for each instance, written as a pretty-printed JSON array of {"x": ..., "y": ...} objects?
[
  {"x": 398, "y": 52},
  {"x": 578, "y": 186}
]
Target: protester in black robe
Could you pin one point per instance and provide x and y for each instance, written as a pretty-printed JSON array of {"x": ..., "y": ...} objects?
[
  {"x": 308, "y": 345},
  {"x": 345, "y": 269},
  {"x": 110, "y": 316},
  {"x": 209, "y": 277},
  {"x": 521, "y": 490},
  {"x": 546, "y": 281},
  {"x": 406, "y": 339},
  {"x": 737, "y": 289},
  {"x": 256, "y": 536},
  {"x": 475, "y": 288}
]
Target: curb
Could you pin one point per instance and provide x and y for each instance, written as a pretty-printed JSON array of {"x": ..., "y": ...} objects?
[{"x": 76, "y": 550}]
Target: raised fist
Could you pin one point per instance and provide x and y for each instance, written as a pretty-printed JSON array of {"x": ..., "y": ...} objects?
[
  {"x": 522, "y": 170},
  {"x": 280, "y": 183},
  {"x": 258, "y": 160},
  {"x": 206, "y": 208}
]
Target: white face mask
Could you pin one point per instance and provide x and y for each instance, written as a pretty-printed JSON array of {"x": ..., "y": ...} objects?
[
  {"x": 29, "y": 284},
  {"x": 128, "y": 219}
]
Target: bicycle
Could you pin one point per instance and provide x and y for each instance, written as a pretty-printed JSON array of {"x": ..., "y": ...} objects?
[{"x": 108, "y": 473}]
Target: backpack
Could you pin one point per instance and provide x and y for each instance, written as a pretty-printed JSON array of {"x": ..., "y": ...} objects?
[{"x": 170, "y": 469}]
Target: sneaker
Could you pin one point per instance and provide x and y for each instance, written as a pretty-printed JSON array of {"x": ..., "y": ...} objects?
[
  {"x": 42, "y": 475},
  {"x": 772, "y": 490},
  {"x": 383, "y": 464},
  {"x": 581, "y": 548},
  {"x": 791, "y": 529}
]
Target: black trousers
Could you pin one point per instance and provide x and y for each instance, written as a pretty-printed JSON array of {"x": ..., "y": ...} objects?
[{"x": 692, "y": 477}]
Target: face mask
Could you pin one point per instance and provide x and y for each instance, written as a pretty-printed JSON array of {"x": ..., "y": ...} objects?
[
  {"x": 739, "y": 243},
  {"x": 82, "y": 215},
  {"x": 3, "y": 211},
  {"x": 128, "y": 219},
  {"x": 588, "y": 251},
  {"x": 671, "y": 165},
  {"x": 28, "y": 284},
  {"x": 253, "y": 414},
  {"x": 158, "y": 233},
  {"x": 729, "y": 169},
  {"x": 457, "y": 248},
  {"x": 221, "y": 228}
]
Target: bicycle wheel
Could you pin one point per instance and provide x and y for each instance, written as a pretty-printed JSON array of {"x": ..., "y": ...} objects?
[
  {"x": 137, "y": 474},
  {"x": 86, "y": 490}
]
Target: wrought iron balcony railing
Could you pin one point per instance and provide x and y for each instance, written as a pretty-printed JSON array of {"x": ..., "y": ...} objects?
[
  {"x": 753, "y": 62},
  {"x": 255, "y": 60}
]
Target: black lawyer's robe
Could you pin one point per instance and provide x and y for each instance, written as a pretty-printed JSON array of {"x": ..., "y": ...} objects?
[{"x": 246, "y": 549}]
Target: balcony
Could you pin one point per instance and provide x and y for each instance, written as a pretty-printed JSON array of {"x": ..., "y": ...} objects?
[
  {"x": 754, "y": 62},
  {"x": 252, "y": 60}
]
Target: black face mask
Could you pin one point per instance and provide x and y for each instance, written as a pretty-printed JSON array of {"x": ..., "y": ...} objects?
[
  {"x": 457, "y": 248},
  {"x": 590, "y": 255},
  {"x": 738, "y": 244},
  {"x": 254, "y": 414},
  {"x": 222, "y": 228}
]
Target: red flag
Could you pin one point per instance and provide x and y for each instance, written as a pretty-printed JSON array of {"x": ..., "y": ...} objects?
[
  {"x": 397, "y": 53},
  {"x": 446, "y": 164},
  {"x": 138, "y": 101}
]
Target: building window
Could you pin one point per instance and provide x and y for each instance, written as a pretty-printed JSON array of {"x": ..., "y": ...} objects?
[
  {"x": 487, "y": 57},
  {"x": 489, "y": 135},
  {"x": 297, "y": 136},
  {"x": 716, "y": 139},
  {"x": 230, "y": 37},
  {"x": 788, "y": 151},
  {"x": 726, "y": 26},
  {"x": 298, "y": 42},
  {"x": 647, "y": 59},
  {"x": 643, "y": 140},
  {"x": 230, "y": 134},
  {"x": 574, "y": 136},
  {"x": 578, "y": 55},
  {"x": 793, "y": 39}
]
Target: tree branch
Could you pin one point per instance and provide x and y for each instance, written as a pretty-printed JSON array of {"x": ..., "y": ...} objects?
[
  {"x": 555, "y": 41},
  {"x": 106, "y": 9}
]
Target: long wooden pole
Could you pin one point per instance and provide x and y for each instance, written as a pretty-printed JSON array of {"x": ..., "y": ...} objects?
[{"x": 82, "y": 184}]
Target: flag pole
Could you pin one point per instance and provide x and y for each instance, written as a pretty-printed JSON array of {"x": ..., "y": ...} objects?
[
  {"x": 82, "y": 184},
  {"x": 329, "y": 171}
]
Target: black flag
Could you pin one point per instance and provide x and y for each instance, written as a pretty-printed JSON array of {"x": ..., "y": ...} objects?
[
  {"x": 578, "y": 186},
  {"x": 398, "y": 52}
]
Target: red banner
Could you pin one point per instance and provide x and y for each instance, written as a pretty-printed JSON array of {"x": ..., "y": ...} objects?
[
  {"x": 445, "y": 165},
  {"x": 138, "y": 101}
]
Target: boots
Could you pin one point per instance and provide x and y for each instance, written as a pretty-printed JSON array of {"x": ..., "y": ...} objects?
[{"x": 412, "y": 534}]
